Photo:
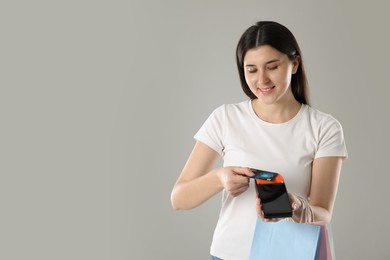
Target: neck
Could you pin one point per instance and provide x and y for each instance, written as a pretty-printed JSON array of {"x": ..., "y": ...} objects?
[{"x": 276, "y": 113}]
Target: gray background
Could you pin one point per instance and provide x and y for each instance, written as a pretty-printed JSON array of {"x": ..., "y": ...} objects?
[{"x": 100, "y": 99}]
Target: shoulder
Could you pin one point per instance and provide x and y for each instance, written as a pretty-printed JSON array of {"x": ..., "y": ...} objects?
[
  {"x": 329, "y": 134},
  {"x": 233, "y": 108},
  {"x": 320, "y": 118},
  {"x": 323, "y": 124},
  {"x": 227, "y": 113}
]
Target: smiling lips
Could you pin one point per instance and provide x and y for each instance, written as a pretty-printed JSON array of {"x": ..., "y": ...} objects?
[{"x": 266, "y": 90}]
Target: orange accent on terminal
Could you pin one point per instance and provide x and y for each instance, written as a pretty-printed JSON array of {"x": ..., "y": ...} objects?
[{"x": 278, "y": 179}]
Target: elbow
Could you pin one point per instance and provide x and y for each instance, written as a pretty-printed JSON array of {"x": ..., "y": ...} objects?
[
  {"x": 175, "y": 201},
  {"x": 176, "y": 207},
  {"x": 328, "y": 217},
  {"x": 179, "y": 201},
  {"x": 174, "y": 204},
  {"x": 322, "y": 214}
]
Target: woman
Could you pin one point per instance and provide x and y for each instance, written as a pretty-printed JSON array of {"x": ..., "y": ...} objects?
[{"x": 275, "y": 130}]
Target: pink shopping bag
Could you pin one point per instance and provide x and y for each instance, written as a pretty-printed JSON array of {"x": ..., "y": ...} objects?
[{"x": 325, "y": 249}]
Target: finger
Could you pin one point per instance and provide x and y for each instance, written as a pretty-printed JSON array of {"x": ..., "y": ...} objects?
[
  {"x": 294, "y": 201},
  {"x": 238, "y": 190},
  {"x": 243, "y": 171},
  {"x": 259, "y": 211},
  {"x": 238, "y": 180}
]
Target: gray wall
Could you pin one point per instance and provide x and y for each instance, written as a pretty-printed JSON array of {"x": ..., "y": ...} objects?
[{"x": 99, "y": 102}]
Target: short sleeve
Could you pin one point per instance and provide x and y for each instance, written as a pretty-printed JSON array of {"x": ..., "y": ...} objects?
[
  {"x": 211, "y": 132},
  {"x": 331, "y": 139}
]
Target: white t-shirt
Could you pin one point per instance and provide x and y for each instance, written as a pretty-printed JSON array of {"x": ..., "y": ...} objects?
[{"x": 243, "y": 139}]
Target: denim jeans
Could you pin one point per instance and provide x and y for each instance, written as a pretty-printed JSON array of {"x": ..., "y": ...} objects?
[{"x": 215, "y": 258}]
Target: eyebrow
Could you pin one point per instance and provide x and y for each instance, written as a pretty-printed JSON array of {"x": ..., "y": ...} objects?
[{"x": 268, "y": 62}]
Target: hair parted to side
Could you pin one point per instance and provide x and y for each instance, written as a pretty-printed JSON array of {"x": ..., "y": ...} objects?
[{"x": 279, "y": 37}]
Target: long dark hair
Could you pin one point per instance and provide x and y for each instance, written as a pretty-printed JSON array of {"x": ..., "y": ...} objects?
[{"x": 279, "y": 37}]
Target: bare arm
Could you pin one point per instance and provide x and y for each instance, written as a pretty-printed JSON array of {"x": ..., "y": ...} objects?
[
  {"x": 198, "y": 181},
  {"x": 324, "y": 184}
]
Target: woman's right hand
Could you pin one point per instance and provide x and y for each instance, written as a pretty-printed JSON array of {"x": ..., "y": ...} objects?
[{"x": 234, "y": 179}]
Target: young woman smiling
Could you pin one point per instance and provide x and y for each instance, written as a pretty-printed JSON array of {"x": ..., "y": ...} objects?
[{"x": 274, "y": 130}]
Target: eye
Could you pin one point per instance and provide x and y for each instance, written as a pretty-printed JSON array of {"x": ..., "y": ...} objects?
[
  {"x": 272, "y": 67},
  {"x": 251, "y": 70}
]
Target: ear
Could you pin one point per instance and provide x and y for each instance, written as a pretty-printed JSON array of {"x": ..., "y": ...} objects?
[{"x": 296, "y": 62}]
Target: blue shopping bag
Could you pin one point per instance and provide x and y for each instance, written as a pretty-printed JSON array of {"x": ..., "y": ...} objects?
[{"x": 285, "y": 240}]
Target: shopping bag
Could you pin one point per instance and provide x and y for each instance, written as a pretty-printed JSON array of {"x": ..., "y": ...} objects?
[
  {"x": 325, "y": 250},
  {"x": 289, "y": 240}
]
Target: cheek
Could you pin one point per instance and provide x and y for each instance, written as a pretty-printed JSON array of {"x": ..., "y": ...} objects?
[
  {"x": 283, "y": 78},
  {"x": 250, "y": 78}
]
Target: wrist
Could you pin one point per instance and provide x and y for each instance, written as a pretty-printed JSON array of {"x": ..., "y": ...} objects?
[
  {"x": 302, "y": 212},
  {"x": 218, "y": 174}
]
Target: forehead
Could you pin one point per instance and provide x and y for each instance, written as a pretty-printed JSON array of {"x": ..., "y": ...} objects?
[{"x": 262, "y": 55}]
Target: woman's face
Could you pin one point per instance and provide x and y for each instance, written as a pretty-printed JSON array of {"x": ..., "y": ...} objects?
[{"x": 268, "y": 73}]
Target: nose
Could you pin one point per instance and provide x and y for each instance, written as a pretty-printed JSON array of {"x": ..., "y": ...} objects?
[{"x": 262, "y": 78}]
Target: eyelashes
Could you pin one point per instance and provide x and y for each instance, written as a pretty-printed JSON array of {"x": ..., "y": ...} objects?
[
  {"x": 272, "y": 68},
  {"x": 252, "y": 70}
]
